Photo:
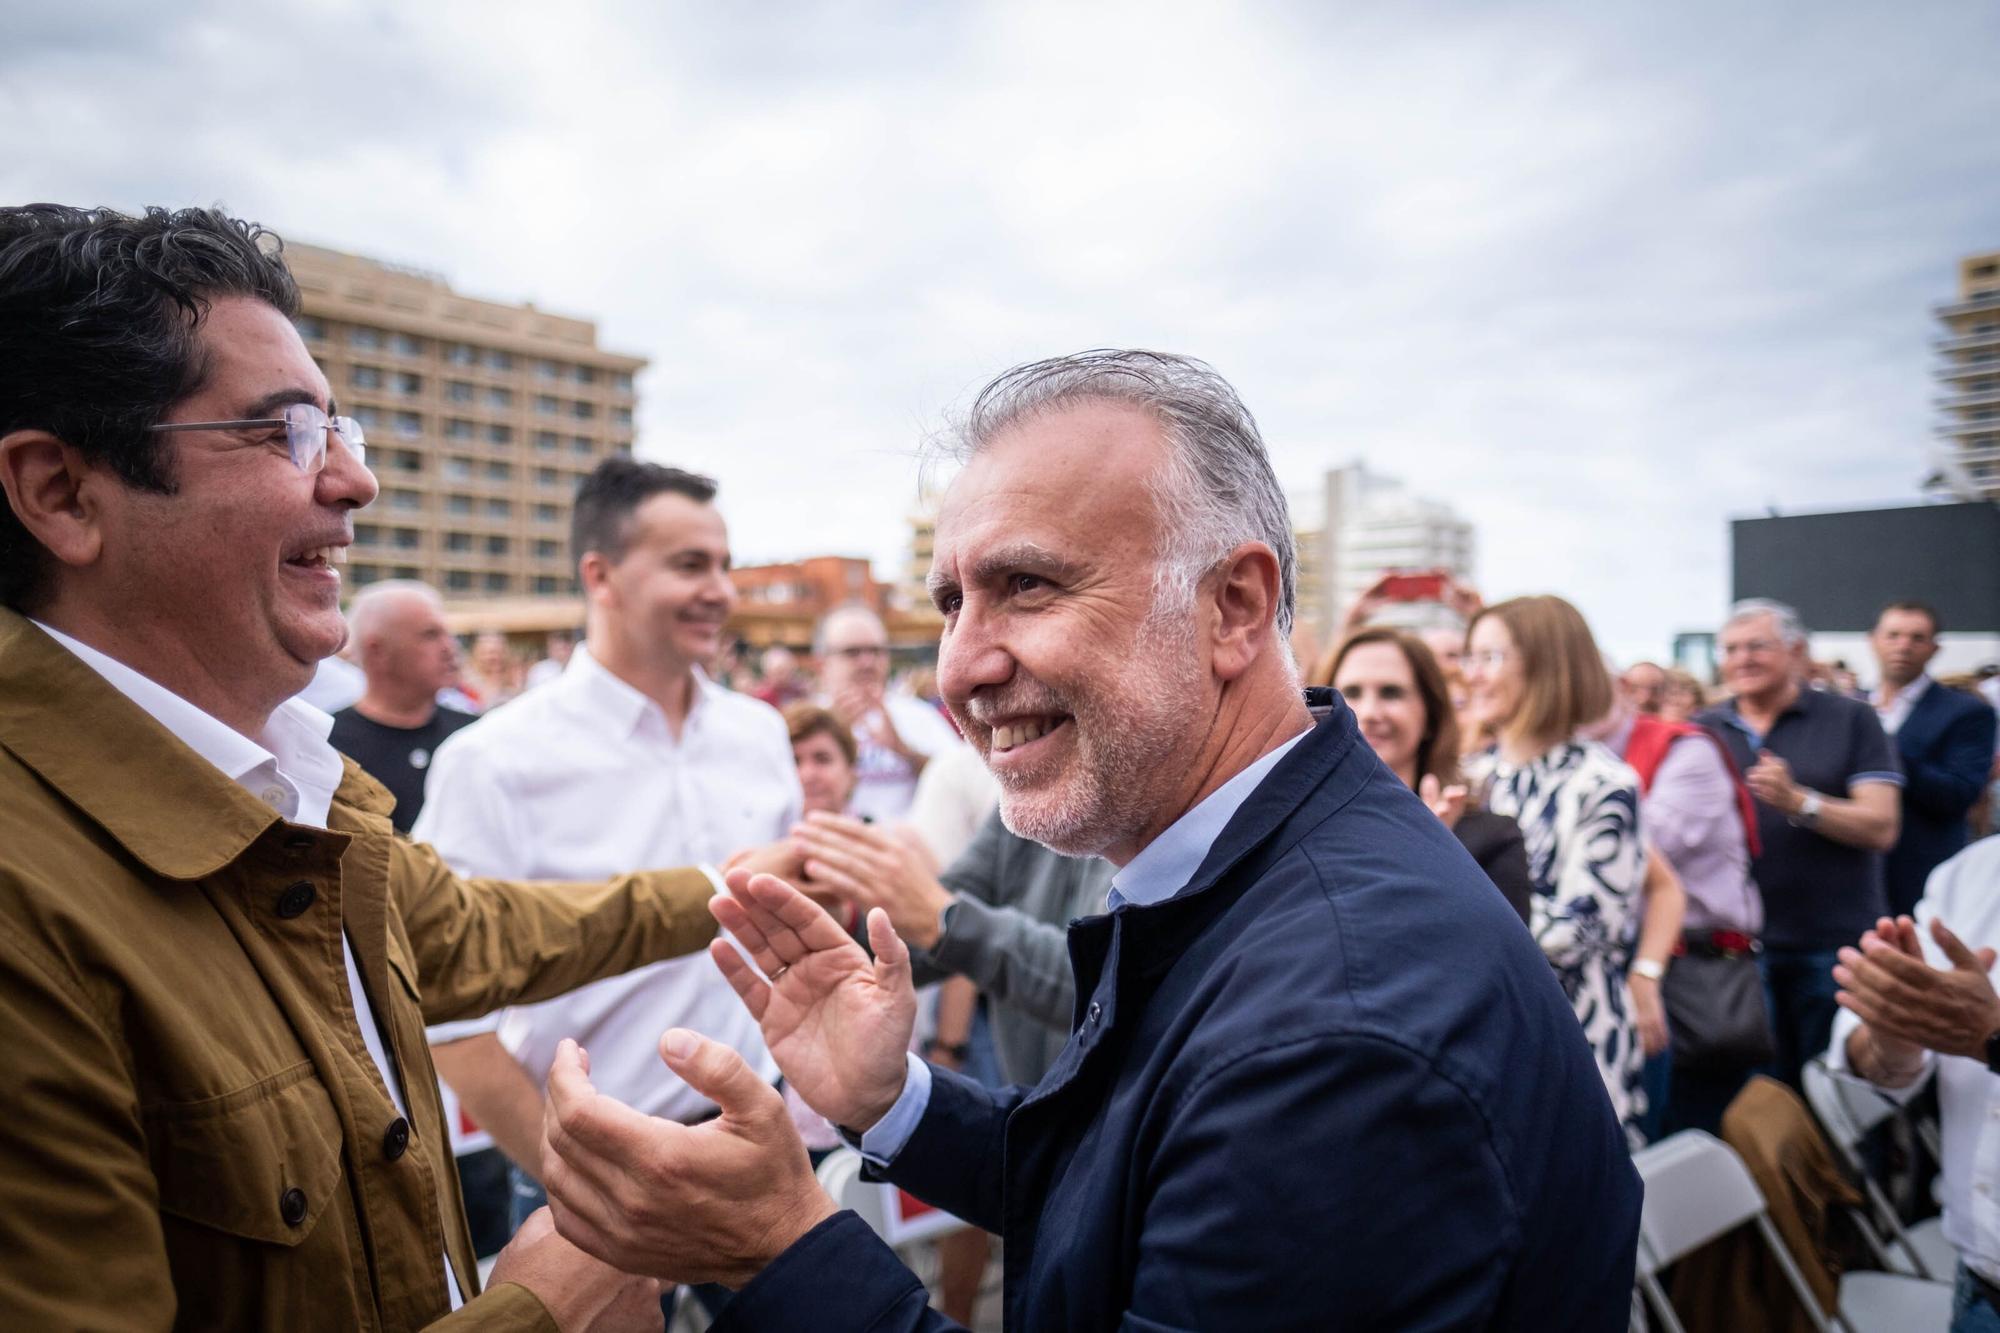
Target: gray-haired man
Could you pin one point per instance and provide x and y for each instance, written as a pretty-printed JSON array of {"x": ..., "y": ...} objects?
[{"x": 1826, "y": 779}]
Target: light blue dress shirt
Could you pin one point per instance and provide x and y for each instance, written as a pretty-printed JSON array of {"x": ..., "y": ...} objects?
[{"x": 1160, "y": 870}]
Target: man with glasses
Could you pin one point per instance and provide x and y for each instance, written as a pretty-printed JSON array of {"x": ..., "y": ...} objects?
[
  {"x": 897, "y": 735},
  {"x": 216, "y": 955},
  {"x": 1826, "y": 782}
]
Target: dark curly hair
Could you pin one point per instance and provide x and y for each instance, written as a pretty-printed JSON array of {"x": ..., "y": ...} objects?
[{"x": 98, "y": 316}]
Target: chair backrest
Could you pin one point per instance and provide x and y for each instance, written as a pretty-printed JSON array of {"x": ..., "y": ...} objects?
[
  {"x": 1845, "y": 1111},
  {"x": 840, "y": 1176},
  {"x": 1696, "y": 1189}
]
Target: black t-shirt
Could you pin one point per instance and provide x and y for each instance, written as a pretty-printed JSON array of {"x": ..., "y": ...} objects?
[
  {"x": 1818, "y": 894},
  {"x": 396, "y": 757}
]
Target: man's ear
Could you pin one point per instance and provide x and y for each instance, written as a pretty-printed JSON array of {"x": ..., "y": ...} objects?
[
  {"x": 51, "y": 489},
  {"x": 1247, "y": 589}
]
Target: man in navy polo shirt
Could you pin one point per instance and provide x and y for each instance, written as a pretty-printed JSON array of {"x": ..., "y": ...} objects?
[{"x": 1827, "y": 787}]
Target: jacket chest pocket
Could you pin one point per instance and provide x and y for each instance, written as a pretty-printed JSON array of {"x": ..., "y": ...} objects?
[{"x": 261, "y": 1164}]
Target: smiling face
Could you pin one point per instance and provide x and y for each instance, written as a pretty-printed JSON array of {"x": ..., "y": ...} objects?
[
  {"x": 1493, "y": 676},
  {"x": 1088, "y": 708},
  {"x": 232, "y": 578},
  {"x": 1376, "y": 681},
  {"x": 1757, "y": 664},
  {"x": 825, "y": 772},
  {"x": 665, "y": 600}
]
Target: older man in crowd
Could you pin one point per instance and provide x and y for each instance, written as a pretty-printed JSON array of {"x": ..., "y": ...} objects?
[
  {"x": 1826, "y": 782},
  {"x": 1318, "y": 1076},
  {"x": 897, "y": 735},
  {"x": 216, "y": 954},
  {"x": 407, "y": 655},
  {"x": 1944, "y": 740}
]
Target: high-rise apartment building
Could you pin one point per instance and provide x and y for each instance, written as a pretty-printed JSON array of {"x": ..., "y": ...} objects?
[
  {"x": 481, "y": 420},
  {"x": 1968, "y": 371},
  {"x": 1371, "y": 525}
]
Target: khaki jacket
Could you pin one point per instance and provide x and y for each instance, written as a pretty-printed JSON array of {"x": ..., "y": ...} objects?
[{"x": 192, "y": 1132}]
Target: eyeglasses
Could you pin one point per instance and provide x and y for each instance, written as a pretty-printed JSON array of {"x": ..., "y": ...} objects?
[
  {"x": 860, "y": 652},
  {"x": 1490, "y": 660},
  {"x": 306, "y": 429},
  {"x": 1750, "y": 648}
]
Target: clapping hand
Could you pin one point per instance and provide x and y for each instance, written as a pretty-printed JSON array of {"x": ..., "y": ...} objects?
[
  {"x": 1770, "y": 781},
  {"x": 873, "y": 867},
  {"x": 1902, "y": 998},
  {"x": 837, "y": 1022},
  {"x": 1447, "y": 803}
]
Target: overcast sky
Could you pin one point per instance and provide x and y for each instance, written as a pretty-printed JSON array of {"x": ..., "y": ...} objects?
[{"x": 1600, "y": 276}]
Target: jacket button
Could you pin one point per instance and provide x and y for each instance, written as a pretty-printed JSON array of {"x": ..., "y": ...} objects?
[
  {"x": 396, "y": 1140},
  {"x": 292, "y": 1206},
  {"x": 296, "y": 899}
]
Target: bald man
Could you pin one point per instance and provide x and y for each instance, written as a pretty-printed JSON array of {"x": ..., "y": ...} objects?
[{"x": 407, "y": 656}]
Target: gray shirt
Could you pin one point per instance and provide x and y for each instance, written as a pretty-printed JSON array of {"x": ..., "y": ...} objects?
[{"x": 1008, "y": 930}]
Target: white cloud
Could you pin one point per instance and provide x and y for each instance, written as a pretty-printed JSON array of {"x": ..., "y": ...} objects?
[{"x": 1600, "y": 277}]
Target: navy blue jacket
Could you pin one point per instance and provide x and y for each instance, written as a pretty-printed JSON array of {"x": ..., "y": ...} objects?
[
  {"x": 1947, "y": 748},
  {"x": 1332, "y": 1084}
]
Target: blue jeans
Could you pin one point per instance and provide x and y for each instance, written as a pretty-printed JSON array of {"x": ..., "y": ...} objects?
[
  {"x": 1970, "y": 1311},
  {"x": 1799, "y": 986}
]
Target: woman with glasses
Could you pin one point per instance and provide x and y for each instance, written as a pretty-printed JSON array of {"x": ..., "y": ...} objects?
[
  {"x": 1534, "y": 676},
  {"x": 1402, "y": 704}
]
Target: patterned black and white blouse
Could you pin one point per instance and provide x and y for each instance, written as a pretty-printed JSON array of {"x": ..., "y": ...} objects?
[{"x": 1578, "y": 808}]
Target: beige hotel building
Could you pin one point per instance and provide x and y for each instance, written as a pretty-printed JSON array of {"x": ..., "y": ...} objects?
[
  {"x": 481, "y": 419},
  {"x": 1968, "y": 372}
]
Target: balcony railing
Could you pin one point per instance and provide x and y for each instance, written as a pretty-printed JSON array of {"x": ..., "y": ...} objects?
[
  {"x": 1965, "y": 370},
  {"x": 1971, "y": 342},
  {"x": 1971, "y": 305},
  {"x": 1964, "y": 427},
  {"x": 1965, "y": 402}
]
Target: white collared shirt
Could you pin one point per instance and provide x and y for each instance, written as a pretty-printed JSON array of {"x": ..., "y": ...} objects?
[
  {"x": 296, "y": 776},
  {"x": 1964, "y": 893},
  {"x": 1162, "y": 869},
  {"x": 1894, "y": 710},
  {"x": 582, "y": 779}
]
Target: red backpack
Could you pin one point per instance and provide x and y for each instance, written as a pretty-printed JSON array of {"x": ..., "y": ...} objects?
[{"x": 1651, "y": 739}]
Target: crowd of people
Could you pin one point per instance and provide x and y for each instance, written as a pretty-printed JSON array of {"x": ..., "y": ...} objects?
[{"x": 1227, "y": 989}]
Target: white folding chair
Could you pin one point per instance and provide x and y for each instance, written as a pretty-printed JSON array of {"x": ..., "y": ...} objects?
[
  {"x": 1698, "y": 1189},
  {"x": 1848, "y": 1110}
]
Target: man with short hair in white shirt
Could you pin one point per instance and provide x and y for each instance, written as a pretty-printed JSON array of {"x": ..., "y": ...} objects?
[
  {"x": 1916, "y": 1000},
  {"x": 897, "y": 735},
  {"x": 631, "y": 757}
]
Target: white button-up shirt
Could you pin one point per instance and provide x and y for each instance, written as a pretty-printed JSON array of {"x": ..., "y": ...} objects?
[
  {"x": 582, "y": 779},
  {"x": 294, "y": 771},
  {"x": 1894, "y": 709},
  {"x": 1964, "y": 893}
]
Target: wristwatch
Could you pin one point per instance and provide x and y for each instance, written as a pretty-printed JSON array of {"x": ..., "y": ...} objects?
[
  {"x": 1808, "y": 815},
  {"x": 1650, "y": 968},
  {"x": 1993, "y": 1052}
]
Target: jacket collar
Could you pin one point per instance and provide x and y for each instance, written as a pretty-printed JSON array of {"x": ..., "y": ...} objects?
[{"x": 159, "y": 799}]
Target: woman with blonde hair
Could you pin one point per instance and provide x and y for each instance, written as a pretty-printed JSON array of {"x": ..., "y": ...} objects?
[{"x": 1534, "y": 676}]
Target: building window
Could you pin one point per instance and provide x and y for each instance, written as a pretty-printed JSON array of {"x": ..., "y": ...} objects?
[
  {"x": 546, "y": 549},
  {"x": 586, "y": 375},
  {"x": 498, "y": 583},
  {"x": 462, "y": 354},
  {"x": 364, "y": 573},
  {"x": 583, "y": 411},
  {"x": 547, "y": 441},
  {"x": 409, "y": 539},
  {"x": 400, "y": 499},
  {"x": 549, "y": 370},
  {"x": 623, "y": 448},
  {"x": 546, "y": 514},
  {"x": 498, "y": 508},
  {"x": 366, "y": 534},
  {"x": 408, "y": 572},
  {"x": 499, "y": 360},
  {"x": 496, "y": 471},
  {"x": 312, "y": 328},
  {"x": 458, "y": 541},
  {"x": 368, "y": 417},
  {"x": 458, "y": 428},
  {"x": 499, "y": 398},
  {"x": 364, "y": 337},
  {"x": 621, "y": 381},
  {"x": 547, "y": 476},
  {"x": 458, "y": 504},
  {"x": 458, "y": 391},
  {"x": 409, "y": 385},
  {"x": 409, "y": 424},
  {"x": 458, "y": 469},
  {"x": 582, "y": 446},
  {"x": 407, "y": 344},
  {"x": 547, "y": 404},
  {"x": 497, "y": 545},
  {"x": 366, "y": 377},
  {"x": 458, "y": 580},
  {"x": 547, "y": 586},
  {"x": 499, "y": 434},
  {"x": 622, "y": 415}
]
